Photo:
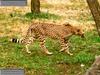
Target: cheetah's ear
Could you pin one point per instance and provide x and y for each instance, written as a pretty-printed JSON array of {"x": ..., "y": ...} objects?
[{"x": 67, "y": 24}]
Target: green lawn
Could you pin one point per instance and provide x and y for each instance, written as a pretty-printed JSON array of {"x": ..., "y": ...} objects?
[{"x": 84, "y": 50}]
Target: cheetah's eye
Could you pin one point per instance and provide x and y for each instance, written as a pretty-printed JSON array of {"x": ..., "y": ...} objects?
[{"x": 78, "y": 30}]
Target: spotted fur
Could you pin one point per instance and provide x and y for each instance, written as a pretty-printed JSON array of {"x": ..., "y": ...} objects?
[{"x": 42, "y": 30}]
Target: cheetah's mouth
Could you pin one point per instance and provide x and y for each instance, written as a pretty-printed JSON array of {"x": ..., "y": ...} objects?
[{"x": 82, "y": 36}]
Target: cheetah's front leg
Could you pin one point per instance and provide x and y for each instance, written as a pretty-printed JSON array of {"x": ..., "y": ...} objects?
[
  {"x": 65, "y": 46},
  {"x": 29, "y": 41},
  {"x": 27, "y": 49},
  {"x": 42, "y": 45}
]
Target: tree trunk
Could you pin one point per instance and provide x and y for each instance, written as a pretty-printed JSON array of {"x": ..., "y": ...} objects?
[
  {"x": 95, "y": 10},
  {"x": 35, "y": 6}
]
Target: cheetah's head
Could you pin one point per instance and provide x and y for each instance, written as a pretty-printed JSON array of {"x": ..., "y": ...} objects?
[
  {"x": 76, "y": 30},
  {"x": 79, "y": 32}
]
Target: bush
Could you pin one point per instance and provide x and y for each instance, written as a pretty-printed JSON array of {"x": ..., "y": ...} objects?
[{"x": 42, "y": 15}]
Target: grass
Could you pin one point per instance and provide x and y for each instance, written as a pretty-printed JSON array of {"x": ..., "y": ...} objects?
[
  {"x": 42, "y": 15},
  {"x": 44, "y": 5},
  {"x": 29, "y": 16},
  {"x": 84, "y": 50}
]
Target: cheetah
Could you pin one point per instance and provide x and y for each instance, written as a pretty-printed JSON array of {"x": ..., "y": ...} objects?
[{"x": 42, "y": 30}]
